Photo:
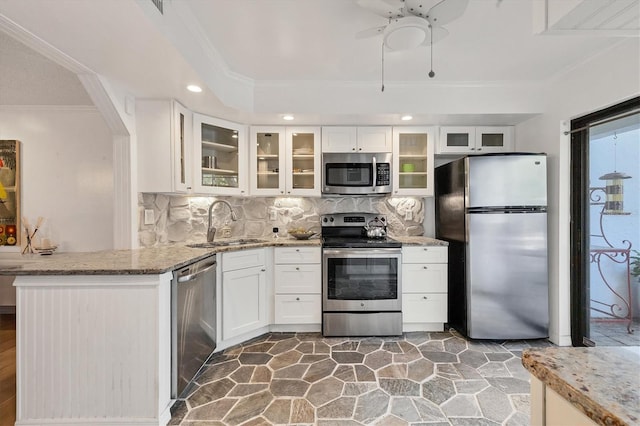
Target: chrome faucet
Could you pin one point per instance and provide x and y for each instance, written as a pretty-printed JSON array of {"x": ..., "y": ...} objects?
[{"x": 211, "y": 230}]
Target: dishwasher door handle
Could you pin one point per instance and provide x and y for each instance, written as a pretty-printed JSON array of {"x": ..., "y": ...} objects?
[{"x": 192, "y": 277}]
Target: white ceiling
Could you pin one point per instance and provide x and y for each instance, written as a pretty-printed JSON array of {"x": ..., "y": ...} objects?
[{"x": 260, "y": 59}]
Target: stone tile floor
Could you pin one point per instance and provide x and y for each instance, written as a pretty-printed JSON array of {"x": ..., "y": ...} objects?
[
  {"x": 607, "y": 333},
  {"x": 417, "y": 379}
]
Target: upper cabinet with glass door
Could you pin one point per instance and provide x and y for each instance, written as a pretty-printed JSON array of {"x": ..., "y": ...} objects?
[
  {"x": 285, "y": 161},
  {"x": 303, "y": 161},
  {"x": 413, "y": 161},
  {"x": 220, "y": 153},
  {"x": 476, "y": 140}
]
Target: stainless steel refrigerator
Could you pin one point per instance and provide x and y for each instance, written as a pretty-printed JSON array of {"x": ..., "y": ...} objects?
[{"x": 492, "y": 209}]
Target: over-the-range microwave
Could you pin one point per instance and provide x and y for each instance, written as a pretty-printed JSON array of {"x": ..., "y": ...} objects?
[{"x": 356, "y": 173}]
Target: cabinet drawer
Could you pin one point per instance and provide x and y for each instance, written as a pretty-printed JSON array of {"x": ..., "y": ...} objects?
[
  {"x": 242, "y": 259},
  {"x": 424, "y": 277},
  {"x": 424, "y": 307},
  {"x": 298, "y": 309},
  {"x": 425, "y": 254},
  {"x": 296, "y": 255},
  {"x": 292, "y": 279}
]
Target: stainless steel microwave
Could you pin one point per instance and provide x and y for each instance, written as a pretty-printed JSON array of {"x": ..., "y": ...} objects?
[{"x": 356, "y": 173}]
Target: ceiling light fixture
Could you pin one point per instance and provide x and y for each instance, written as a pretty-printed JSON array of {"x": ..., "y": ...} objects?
[
  {"x": 406, "y": 118},
  {"x": 288, "y": 117},
  {"x": 193, "y": 88}
]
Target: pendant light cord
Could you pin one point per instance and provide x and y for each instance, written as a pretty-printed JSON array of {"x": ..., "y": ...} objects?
[
  {"x": 382, "y": 67},
  {"x": 431, "y": 73}
]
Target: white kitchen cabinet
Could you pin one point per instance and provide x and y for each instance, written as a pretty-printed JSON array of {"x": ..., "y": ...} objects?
[
  {"x": 357, "y": 139},
  {"x": 244, "y": 302},
  {"x": 220, "y": 153},
  {"x": 298, "y": 286},
  {"x": 94, "y": 349},
  {"x": 164, "y": 139},
  {"x": 548, "y": 408},
  {"x": 285, "y": 161},
  {"x": 424, "y": 288},
  {"x": 413, "y": 149},
  {"x": 476, "y": 140}
]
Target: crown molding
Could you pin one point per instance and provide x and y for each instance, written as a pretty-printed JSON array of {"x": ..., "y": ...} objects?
[{"x": 39, "y": 45}]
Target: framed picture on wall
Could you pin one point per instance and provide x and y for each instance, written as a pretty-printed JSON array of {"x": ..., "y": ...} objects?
[{"x": 10, "y": 234}]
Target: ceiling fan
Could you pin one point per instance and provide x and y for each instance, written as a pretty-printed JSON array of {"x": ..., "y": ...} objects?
[{"x": 412, "y": 23}]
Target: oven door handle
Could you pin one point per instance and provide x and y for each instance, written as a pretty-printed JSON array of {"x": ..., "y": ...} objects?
[
  {"x": 375, "y": 173},
  {"x": 380, "y": 252}
]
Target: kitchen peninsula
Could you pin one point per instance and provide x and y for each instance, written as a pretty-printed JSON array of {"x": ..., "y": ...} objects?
[
  {"x": 94, "y": 335},
  {"x": 584, "y": 386}
]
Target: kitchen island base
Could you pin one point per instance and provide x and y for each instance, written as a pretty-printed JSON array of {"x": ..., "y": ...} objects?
[{"x": 93, "y": 349}]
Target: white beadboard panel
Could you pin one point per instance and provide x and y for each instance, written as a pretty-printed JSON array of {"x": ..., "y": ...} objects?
[{"x": 99, "y": 353}]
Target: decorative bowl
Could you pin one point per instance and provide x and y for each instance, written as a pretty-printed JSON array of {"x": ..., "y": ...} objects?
[
  {"x": 302, "y": 235},
  {"x": 45, "y": 250}
]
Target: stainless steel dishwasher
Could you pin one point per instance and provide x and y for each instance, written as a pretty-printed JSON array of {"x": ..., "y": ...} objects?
[{"x": 193, "y": 320}]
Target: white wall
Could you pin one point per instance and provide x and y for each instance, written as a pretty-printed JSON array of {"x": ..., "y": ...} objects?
[
  {"x": 67, "y": 172},
  {"x": 599, "y": 82}
]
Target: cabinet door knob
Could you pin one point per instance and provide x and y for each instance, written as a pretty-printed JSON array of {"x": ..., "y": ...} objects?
[
  {"x": 297, "y": 268},
  {"x": 479, "y": 149},
  {"x": 424, "y": 267},
  {"x": 288, "y": 192},
  {"x": 425, "y": 249},
  {"x": 353, "y": 149},
  {"x": 282, "y": 192},
  {"x": 263, "y": 270},
  {"x": 472, "y": 149},
  {"x": 297, "y": 298},
  {"x": 425, "y": 297},
  {"x": 188, "y": 187},
  {"x": 359, "y": 149},
  {"x": 297, "y": 250}
]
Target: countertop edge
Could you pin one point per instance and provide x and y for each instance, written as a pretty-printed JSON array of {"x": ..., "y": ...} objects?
[{"x": 576, "y": 397}]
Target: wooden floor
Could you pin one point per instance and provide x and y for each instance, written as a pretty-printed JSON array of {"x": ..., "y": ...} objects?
[{"x": 7, "y": 369}]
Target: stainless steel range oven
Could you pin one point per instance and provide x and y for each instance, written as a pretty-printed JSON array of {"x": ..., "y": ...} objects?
[{"x": 361, "y": 276}]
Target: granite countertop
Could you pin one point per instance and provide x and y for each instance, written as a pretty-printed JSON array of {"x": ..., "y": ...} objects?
[
  {"x": 602, "y": 382},
  {"x": 155, "y": 260},
  {"x": 420, "y": 241}
]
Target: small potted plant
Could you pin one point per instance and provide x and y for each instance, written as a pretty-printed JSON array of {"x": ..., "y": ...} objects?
[{"x": 635, "y": 263}]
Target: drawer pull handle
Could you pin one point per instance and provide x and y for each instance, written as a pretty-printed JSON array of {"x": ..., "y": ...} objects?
[
  {"x": 425, "y": 249},
  {"x": 425, "y": 297},
  {"x": 263, "y": 270},
  {"x": 424, "y": 267},
  {"x": 297, "y": 250},
  {"x": 297, "y": 268},
  {"x": 297, "y": 298}
]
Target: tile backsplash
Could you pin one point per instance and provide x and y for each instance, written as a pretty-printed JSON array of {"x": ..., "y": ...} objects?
[{"x": 184, "y": 219}]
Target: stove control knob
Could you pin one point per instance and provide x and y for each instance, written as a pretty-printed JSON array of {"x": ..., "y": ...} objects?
[
  {"x": 330, "y": 219},
  {"x": 324, "y": 220},
  {"x": 382, "y": 219}
]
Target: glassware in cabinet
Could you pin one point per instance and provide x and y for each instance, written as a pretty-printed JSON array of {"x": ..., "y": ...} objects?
[
  {"x": 220, "y": 151},
  {"x": 413, "y": 161}
]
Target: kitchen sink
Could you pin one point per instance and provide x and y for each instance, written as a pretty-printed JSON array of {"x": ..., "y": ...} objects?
[{"x": 215, "y": 244}]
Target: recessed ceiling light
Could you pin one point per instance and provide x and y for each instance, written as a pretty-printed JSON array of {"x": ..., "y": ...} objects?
[
  {"x": 406, "y": 118},
  {"x": 287, "y": 117},
  {"x": 193, "y": 88}
]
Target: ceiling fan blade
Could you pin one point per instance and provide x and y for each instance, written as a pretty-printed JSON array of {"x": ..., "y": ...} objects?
[
  {"x": 438, "y": 34},
  {"x": 446, "y": 11},
  {"x": 384, "y": 8},
  {"x": 370, "y": 32}
]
